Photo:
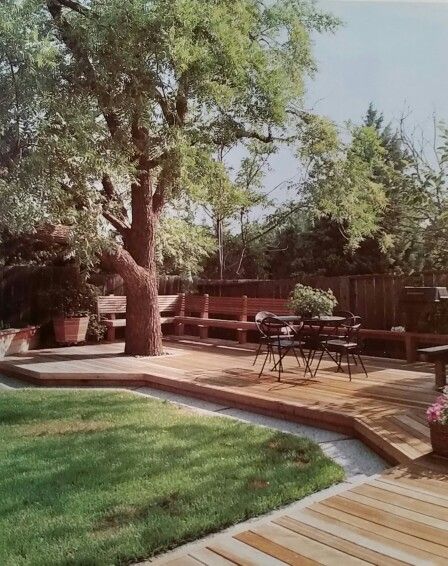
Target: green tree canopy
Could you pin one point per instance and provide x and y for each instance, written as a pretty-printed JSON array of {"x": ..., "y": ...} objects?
[{"x": 129, "y": 100}]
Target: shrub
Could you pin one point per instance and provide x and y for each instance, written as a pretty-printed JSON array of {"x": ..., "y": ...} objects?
[{"x": 308, "y": 301}]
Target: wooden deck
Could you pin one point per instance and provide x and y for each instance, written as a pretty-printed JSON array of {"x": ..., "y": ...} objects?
[
  {"x": 386, "y": 411},
  {"x": 399, "y": 518}
]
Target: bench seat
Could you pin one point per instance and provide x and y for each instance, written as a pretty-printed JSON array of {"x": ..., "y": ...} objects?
[
  {"x": 114, "y": 322},
  {"x": 439, "y": 356},
  {"x": 215, "y": 322},
  {"x": 121, "y": 322}
]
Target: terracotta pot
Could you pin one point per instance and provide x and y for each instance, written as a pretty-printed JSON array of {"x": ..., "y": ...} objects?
[
  {"x": 70, "y": 330},
  {"x": 17, "y": 340},
  {"x": 439, "y": 438}
]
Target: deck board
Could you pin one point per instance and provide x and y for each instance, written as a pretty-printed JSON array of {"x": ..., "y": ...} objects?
[{"x": 400, "y": 517}]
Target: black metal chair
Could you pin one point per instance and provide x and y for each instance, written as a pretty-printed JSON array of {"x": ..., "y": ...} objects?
[
  {"x": 262, "y": 339},
  {"x": 280, "y": 338},
  {"x": 346, "y": 346}
]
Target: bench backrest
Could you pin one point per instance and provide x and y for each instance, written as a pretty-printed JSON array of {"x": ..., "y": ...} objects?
[
  {"x": 195, "y": 304},
  {"x": 116, "y": 304},
  {"x": 276, "y": 306},
  {"x": 237, "y": 307},
  {"x": 226, "y": 305},
  {"x": 111, "y": 304},
  {"x": 169, "y": 303}
]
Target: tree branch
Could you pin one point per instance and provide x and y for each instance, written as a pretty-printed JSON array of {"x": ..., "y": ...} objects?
[
  {"x": 81, "y": 55},
  {"x": 75, "y": 6},
  {"x": 118, "y": 224}
]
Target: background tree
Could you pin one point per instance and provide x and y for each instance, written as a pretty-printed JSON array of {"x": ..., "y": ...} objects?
[{"x": 132, "y": 101}]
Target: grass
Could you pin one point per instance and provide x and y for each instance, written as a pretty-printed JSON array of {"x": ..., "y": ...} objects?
[{"x": 93, "y": 478}]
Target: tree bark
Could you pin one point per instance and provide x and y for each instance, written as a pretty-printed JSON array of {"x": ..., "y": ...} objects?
[{"x": 143, "y": 330}]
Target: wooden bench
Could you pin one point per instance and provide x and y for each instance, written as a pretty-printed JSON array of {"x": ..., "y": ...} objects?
[
  {"x": 206, "y": 312},
  {"x": 111, "y": 305},
  {"x": 439, "y": 356},
  {"x": 238, "y": 313}
]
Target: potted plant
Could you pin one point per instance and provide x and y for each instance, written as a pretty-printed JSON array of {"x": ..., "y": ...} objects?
[
  {"x": 72, "y": 305},
  {"x": 437, "y": 415},
  {"x": 17, "y": 340},
  {"x": 307, "y": 301}
]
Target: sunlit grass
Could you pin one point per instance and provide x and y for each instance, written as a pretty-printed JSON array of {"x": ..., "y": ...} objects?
[{"x": 109, "y": 478}]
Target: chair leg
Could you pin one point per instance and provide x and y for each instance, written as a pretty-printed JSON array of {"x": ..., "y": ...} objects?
[
  {"x": 268, "y": 353},
  {"x": 348, "y": 366},
  {"x": 318, "y": 363},
  {"x": 339, "y": 362},
  {"x": 295, "y": 354},
  {"x": 257, "y": 354},
  {"x": 362, "y": 365},
  {"x": 354, "y": 359},
  {"x": 305, "y": 361}
]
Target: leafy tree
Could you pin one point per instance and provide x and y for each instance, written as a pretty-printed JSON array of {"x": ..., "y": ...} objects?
[
  {"x": 365, "y": 204},
  {"x": 338, "y": 182},
  {"x": 183, "y": 247},
  {"x": 229, "y": 208},
  {"x": 126, "y": 110}
]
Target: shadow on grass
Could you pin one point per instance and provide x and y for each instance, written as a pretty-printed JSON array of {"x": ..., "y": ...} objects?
[{"x": 151, "y": 478}]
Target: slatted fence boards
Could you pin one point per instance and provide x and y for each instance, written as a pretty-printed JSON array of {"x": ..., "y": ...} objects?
[{"x": 374, "y": 297}]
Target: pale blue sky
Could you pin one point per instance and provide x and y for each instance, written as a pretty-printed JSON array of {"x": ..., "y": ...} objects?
[{"x": 391, "y": 53}]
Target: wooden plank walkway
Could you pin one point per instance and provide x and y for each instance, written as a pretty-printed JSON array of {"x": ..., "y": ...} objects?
[{"x": 399, "y": 518}]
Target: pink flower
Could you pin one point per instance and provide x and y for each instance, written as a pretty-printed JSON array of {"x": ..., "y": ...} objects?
[{"x": 438, "y": 411}]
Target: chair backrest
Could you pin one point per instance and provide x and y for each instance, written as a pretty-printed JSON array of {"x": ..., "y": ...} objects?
[
  {"x": 349, "y": 317},
  {"x": 351, "y": 333},
  {"x": 271, "y": 325},
  {"x": 259, "y": 318}
]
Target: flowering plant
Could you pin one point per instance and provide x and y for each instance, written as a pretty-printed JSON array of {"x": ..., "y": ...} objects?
[
  {"x": 438, "y": 411},
  {"x": 308, "y": 301}
]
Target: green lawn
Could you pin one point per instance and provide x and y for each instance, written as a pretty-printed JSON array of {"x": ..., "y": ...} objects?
[{"x": 110, "y": 478}]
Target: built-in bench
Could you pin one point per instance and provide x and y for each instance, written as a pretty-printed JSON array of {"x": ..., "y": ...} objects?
[
  {"x": 109, "y": 306},
  {"x": 439, "y": 356},
  {"x": 238, "y": 313},
  {"x": 205, "y": 312}
]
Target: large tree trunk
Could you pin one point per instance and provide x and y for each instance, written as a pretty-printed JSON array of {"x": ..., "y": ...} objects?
[
  {"x": 143, "y": 330},
  {"x": 137, "y": 266}
]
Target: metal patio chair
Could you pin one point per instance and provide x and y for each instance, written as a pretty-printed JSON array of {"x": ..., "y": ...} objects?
[
  {"x": 280, "y": 338},
  {"x": 346, "y": 346}
]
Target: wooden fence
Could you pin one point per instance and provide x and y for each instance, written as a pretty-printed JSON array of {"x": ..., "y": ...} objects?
[
  {"x": 374, "y": 297},
  {"x": 24, "y": 291}
]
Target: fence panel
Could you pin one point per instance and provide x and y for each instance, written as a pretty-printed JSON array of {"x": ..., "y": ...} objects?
[{"x": 376, "y": 298}]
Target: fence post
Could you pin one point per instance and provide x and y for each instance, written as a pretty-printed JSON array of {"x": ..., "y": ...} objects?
[
  {"x": 242, "y": 334},
  {"x": 203, "y": 330},
  {"x": 179, "y": 328}
]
